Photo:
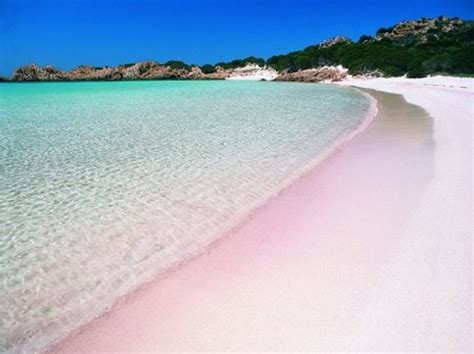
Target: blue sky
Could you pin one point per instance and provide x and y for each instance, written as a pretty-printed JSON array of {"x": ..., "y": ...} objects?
[{"x": 66, "y": 33}]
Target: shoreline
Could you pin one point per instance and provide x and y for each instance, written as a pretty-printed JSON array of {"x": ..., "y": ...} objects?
[
  {"x": 199, "y": 273},
  {"x": 221, "y": 236}
]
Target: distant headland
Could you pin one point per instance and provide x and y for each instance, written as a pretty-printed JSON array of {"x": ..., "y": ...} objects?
[{"x": 415, "y": 48}]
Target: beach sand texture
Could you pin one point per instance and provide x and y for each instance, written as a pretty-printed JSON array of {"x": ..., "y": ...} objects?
[{"x": 370, "y": 251}]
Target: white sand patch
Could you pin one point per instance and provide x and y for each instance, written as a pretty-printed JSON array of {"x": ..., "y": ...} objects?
[
  {"x": 391, "y": 84},
  {"x": 253, "y": 72},
  {"x": 431, "y": 273}
]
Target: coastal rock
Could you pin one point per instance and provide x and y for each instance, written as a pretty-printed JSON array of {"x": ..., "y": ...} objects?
[
  {"x": 37, "y": 73},
  {"x": 196, "y": 73},
  {"x": 147, "y": 70},
  {"x": 321, "y": 74},
  {"x": 86, "y": 72},
  {"x": 219, "y": 74}
]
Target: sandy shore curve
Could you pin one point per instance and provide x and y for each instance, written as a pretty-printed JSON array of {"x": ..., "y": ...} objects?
[{"x": 368, "y": 251}]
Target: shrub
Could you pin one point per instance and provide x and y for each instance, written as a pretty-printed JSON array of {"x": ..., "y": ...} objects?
[
  {"x": 177, "y": 64},
  {"x": 365, "y": 38},
  {"x": 208, "y": 69}
]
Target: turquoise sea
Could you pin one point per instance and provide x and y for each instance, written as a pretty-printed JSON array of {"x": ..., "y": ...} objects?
[{"x": 104, "y": 185}]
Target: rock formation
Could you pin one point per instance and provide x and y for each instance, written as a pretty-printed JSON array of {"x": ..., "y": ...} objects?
[
  {"x": 335, "y": 40},
  {"x": 147, "y": 70},
  {"x": 420, "y": 29},
  {"x": 322, "y": 74},
  {"x": 150, "y": 70},
  {"x": 38, "y": 73}
]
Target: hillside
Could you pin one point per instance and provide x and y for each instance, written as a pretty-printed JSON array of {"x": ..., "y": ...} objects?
[{"x": 417, "y": 48}]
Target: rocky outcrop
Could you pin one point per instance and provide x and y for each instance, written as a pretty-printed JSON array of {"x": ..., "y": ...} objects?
[
  {"x": 147, "y": 70},
  {"x": 85, "y": 72},
  {"x": 322, "y": 74},
  {"x": 150, "y": 70},
  {"x": 38, "y": 73},
  {"x": 219, "y": 74},
  {"x": 421, "y": 29},
  {"x": 333, "y": 41}
]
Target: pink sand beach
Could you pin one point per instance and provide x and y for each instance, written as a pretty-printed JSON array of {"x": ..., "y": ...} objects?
[{"x": 369, "y": 251}]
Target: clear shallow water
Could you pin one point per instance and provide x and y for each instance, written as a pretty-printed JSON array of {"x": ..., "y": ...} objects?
[{"x": 102, "y": 185}]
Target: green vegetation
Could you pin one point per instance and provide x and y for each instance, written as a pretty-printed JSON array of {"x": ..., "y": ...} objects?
[
  {"x": 178, "y": 64},
  {"x": 208, "y": 69},
  {"x": 239, "y": 63},
  {"x": 415, "y": 48},
  {"x": 364, "y": 38},
  {"x": 444, "y": 48}
]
